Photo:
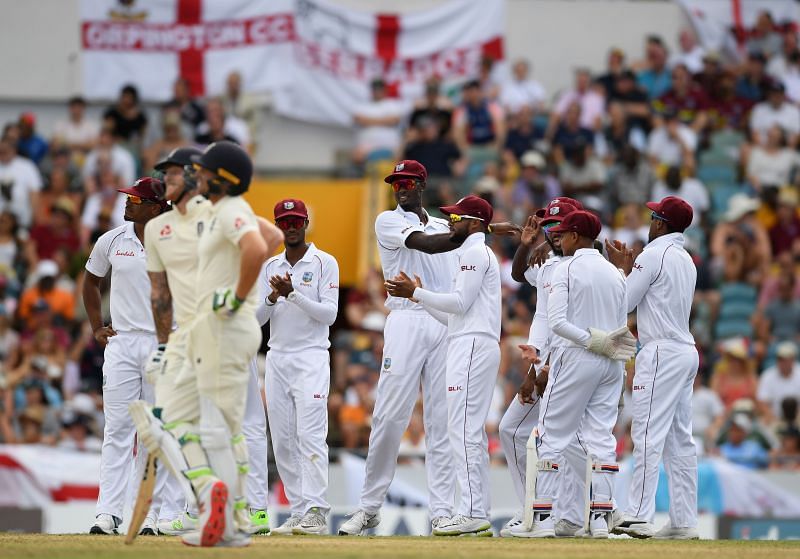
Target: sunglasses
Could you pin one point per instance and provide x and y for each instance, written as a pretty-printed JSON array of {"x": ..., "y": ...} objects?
[
  {"x": 654, "y": 215},
  {"x": 137, "y": 200},
  {"x": 290, "y": 223},
  {"x": 456, "y": 218},
  {"x": 404, "y": 184}
]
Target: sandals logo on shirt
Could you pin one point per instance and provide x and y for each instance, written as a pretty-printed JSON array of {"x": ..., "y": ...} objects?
[{"x": 307, "y": 277}]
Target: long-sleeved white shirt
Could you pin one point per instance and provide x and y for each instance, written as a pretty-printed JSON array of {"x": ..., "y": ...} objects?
[
  {"x": 540, "y": 335},
  {"x": 587, "y": 292},
  {"x": 475, "y": 302},
  {"x": 661, "y": 288},
  {"x": 302, "y": 320}
]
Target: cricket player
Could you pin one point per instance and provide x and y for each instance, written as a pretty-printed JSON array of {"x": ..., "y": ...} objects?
[
  {"x": 128, "y": 341},
  {"x": 471, "y": 309},
  {"x": 200, "y": 439},
  {"x": 660, "y": 286},
  {"x": 301, "y": 300},
  {"x": 171, "y": 243},
  {"x": 586, "y": 308}
]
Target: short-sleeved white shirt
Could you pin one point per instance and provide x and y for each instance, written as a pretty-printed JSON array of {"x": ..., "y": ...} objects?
[
  {"x": 121, "y": 252},
  {"x": 436, "y": 271},
  {"x": 21, "y": 178},
  {"x": 773, "y": 388},
  {"x": 764, "y": 117},
  {"x": 219, "y": 257}
]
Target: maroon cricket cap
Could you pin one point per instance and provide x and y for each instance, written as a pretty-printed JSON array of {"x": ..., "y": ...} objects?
[
  {"x": 290, "y": 208},
  {"x": 408, "y": 169},
  {"x": 147, "y": 188},
  {"x": 581, "y": 222},
  {"x": 471, "y": 206},
  {"x": 557, "y": 210},
  {"x": 675, "y": 211},
  {"x": 555, "y": 202}
]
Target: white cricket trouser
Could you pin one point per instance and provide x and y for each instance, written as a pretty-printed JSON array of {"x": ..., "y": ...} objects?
[
  {"x": 662, "y": 425},
  {"x": 472, "y": 365},
  {"x": 413, "y": 353},
  {"x": 580, "y": 403},
  {"x": 515, "y": 428},
  {"x": 121, "y": 464},
  {"x": 254, "y": 429},
  {"x": 297, "y": 386}
]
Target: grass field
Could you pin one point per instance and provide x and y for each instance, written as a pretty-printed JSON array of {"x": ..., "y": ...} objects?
[{"x": 13, "y": 546}]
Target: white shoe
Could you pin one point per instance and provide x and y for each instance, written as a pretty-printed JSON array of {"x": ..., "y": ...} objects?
[
  {"x": 149, "y": 527},
  {"x": 616, "y": 519},
  {"x": 286, "y": 528},
  {"x": 179, "y": 526},
  {"x": 439, "y": 521},
  {"x": 513, "y": 524},
  {"x": 635, "y": 527},
  {"x": 566, "y": 529},
  {"x": 312, "y": 524},
  {"x": 239, "y": 539},
  {"x": 359, "y": 522},
  {"x": 105, "y": 524},
  {"x": 541, "y": 529},
  {"x": 213, "y": 501},
  {"x": 598, "y": 526},
  {"x": 461, "y": 524},
  {"x": 670, "y": 533}
]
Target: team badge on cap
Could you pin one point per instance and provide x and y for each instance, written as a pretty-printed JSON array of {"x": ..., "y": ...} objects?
[
  {"x": 399, "y": 167},
  {"x": 307, "y": 277},
  {"x": 554, "y": 210},
  {"x": 288, "y": 205}
]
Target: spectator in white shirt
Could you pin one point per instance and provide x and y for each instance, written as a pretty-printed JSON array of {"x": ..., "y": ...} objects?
[
  {"x": 780, "y": 381},
  {"x": 672, "y": 143},
  {"x": 78, "y": 132},
  {"x": 122, "y": 163},
  {"x": 775, "y": 110},
  {"x": 686, "y": 188},
  {"x": 772, "y": 163},
  {"x": 378, "y": 123},
  {"x": 779, "y": 62},
  {"x": 691, "y": 54},
  {"x": 708, "y": 413},
  {"x": 20, "y": 183},
  {"x": 522, "y": 90},
  {"x": 587, "y": 95},
  {"x": 232, "y": 127}
]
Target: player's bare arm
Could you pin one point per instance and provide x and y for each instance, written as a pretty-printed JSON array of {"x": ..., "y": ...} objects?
[
  {"x": 91, "y": 300},
  {"x": 161, "y": 302}
]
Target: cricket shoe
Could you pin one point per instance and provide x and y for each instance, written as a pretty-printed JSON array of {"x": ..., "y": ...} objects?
[
  {"x": 567, "y": 529},
  {"x": 635, "y": 527},
  {"x": 461, "y": 524},
  {"x": 286, "y": 528},
  {"x": 149, "y": 527},
  {"x": 312, "y": 524},
  {"x": 239, "y": 539},
  {"x": 542, "y": 528},
  {"x": 437, "y": 521},
  {"x": 513, "y": 524},
  {"x": 179, "y": 526},
  {"x": 105, "y": 524},
  {"x": 259, "y": 523},
  {"x": 598, "y": 526},
  {"x": 670, "y": 533},
  {"x": 213, "y": 500},
  {"x": 359, "y": 523}
]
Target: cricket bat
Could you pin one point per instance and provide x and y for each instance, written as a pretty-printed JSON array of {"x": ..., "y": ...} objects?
[
  {"x": 531, "y": 471},
  {"x": 143, "y": 500}
]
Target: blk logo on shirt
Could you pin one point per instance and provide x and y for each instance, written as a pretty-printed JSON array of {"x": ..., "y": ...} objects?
[
  {"x": 467, "y": 268},
  {"x": 457, "y": 388}
]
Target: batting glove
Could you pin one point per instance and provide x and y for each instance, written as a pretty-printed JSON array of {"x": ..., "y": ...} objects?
[
  {"x": 226, "y": 302},
  {"x": 619, "y": 344},
  {"x": 155, "y": 364}
]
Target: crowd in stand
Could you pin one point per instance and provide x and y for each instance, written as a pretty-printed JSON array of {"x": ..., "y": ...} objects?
[{"x": 722, "y": 134}]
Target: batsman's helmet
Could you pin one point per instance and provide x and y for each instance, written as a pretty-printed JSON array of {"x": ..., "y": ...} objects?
[{"x": 230, "y": 163}]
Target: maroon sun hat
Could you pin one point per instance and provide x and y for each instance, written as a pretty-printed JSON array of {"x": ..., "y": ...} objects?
[
  {"x": 471, "y": 206},
  {"x": 581, "y": 222},
  {"x": 408, "y": 169},
  {"x": 290, "y": 207}
]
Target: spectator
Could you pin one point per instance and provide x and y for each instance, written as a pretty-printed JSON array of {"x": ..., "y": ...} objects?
[
  {"x": 57, "y": 233},
  {"x": 791, "y": 78},
  {"x": 632, "y": 227},
  {"x": 105, "y": 199},
  {"x": 20, "y": 183},
  {"x": 764, "y": 38},
  {"x": 589, "y": 99},
  {"x": 685, "y": 98},
  {"x": 77, "y": 132},
  {"x": 243, "y": 106},
  {"x": 434, "y": 106},
  {"x": 734, "y": 375},
  {"x": 788, "y": 418},
  {"x": 9, "y": 340},
  {"x": 780, "y": 63},
  {"x": 478, "y": 123},
  {"x": 534, "y": 188},
  {"x": 655, "y": 76},
  {"x": 784, "y": 265},
  {"x": 771, "y": 164},
  {"x": 615, "y": 65},
  {"x": 171, "y": 137},
  {"x": 754, "y": 83},
  {"x": 582, "y": 174},
  {"x": 727, "y": 110},
  {"x": 378, "y": 124},
  {"x": 118, "y": 161},
  {"x": 11, "y": 249},
  {"x": 741, "y": 241},
  {"x": 412, "y": 447},
  {"x": 523, "y": 136},
  {"x": 570, "y": 133},
  {"x": 633, "y": 101},
  {"x": 631, "y": 179},
  {"x": 781, "y": 319},
  {"x": 708, "y": 412},
  {"x": 685, "y": 187},
  {"x": 741, "y": 450},
  {"x": 60, "y": 302},
  {"x": 776, "y": 110},
  {"x": 192, "y": 113},
  {"x": 787, "y": 456},
  {"x": 126, "y": 118},
  {"x": 619, "y": 132},
  {"x": 440, "y": 156},
  {"x": 489, "y": 79},
  {"x": 221, "y": 126},
  {"x": 781, "y": 381},
  {"x": 30, "y": 144},
  {"x": 691, "y": 53},
  {"x": 784, "y": 234},
  {"x": 77, "y": 434},
  {"x": 672, "y": 143},
  {"x": 522, "y": 90}
]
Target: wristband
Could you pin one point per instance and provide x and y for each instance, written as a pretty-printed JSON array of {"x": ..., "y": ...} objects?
[{"x": 489, "y": 228}]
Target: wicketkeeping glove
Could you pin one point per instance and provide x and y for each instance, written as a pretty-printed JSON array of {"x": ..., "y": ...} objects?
[
  {"x": 226, "y": 302},
  {"x": 155, "y": 364},
  {"x": 618, "y": 344}
]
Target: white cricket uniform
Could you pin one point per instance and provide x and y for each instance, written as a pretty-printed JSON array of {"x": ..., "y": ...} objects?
[
  {"x": 583, "y": 390},
  {"x": 661, "y": 288},
  {"x": 472, "y": 310},
  {"x": 412, "y": 354},
  {"x": 298, "y": 373},
  {"x": 171, "y": 242},
  {"x": 125, "y": 358}
]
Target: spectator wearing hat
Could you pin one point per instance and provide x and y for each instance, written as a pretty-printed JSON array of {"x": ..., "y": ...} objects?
[
  {"x": 740, "y": 449},
  {"x": 378, "y": 124},
  {"x": 776, "y": 110},
  {"x": 77, "y": 433},
  {"x": 780, "y": 381},
  {"x": 20, "y": 183},
  {"x": 60, "y": 302},
  {"x": 77, "y": 132},
  {"x": 676, "y": 183},
  {"x": 734, "y": 374},
  {"x": 521, "y": 90},
  {"x": 59, "y": 232},
  {"x": 30, "y": 144},
  {"x": 534, "y": 187}
]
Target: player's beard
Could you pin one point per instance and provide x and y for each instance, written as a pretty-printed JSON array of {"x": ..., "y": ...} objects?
[
  {"x": 556, "y": 249},
  {"x": 459, "y": 236}
]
